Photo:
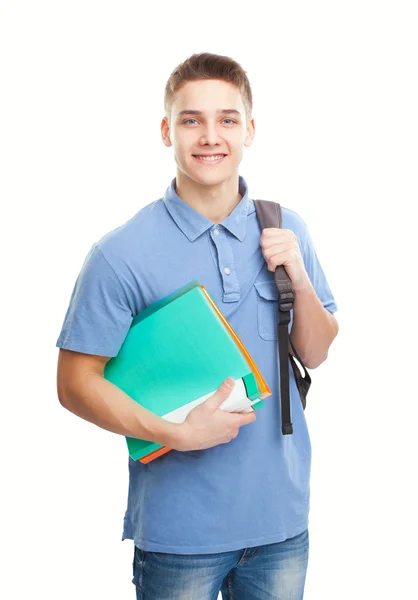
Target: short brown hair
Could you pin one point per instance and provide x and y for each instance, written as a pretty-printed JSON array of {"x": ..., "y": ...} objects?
[{"x": 209, "y": 66}]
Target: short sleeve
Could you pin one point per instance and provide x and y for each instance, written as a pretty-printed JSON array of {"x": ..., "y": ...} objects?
[
  {"x": 98, "y": 316},
  {"x": 316, "y": 273}
]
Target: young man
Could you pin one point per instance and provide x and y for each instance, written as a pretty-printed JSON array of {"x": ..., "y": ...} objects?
[{"x": 227, "y": 509}]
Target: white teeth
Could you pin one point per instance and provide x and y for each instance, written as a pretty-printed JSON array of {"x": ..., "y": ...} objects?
[{"x": 210, "y": 157}]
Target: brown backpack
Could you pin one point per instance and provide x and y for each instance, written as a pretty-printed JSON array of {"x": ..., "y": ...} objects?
[{"x": 269, "y": 214}]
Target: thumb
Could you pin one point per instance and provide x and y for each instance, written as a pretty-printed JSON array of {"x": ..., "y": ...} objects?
[{"x": 221, "y": 393}]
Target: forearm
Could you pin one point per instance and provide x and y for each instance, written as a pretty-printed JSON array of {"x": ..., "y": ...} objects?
[
  {"x": 99, "y": 401},
  {"x": 313, "y": 328}
]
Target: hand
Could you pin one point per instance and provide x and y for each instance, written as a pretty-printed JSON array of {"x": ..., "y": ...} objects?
[
  {"x": 208, "y": 425},
  {"x": 281, "y": 247}
]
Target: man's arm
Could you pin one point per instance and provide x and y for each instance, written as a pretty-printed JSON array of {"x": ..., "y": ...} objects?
[
  {"x": 84, "y": 391},
  {"x": 314, "y": 328}
]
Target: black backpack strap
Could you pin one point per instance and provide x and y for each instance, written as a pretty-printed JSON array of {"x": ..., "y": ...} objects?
[
  {"x": 303, "y": 382},
  {"x": 269, "y": 215}
]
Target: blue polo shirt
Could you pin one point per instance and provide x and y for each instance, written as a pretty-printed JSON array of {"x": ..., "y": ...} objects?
[{"x": 254, "y": 489}]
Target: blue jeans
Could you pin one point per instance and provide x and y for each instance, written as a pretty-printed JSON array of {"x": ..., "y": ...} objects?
[{"x": 268, "y": 572}]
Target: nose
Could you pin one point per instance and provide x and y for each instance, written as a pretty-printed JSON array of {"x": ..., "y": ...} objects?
[{"x": 209, "y": 135}]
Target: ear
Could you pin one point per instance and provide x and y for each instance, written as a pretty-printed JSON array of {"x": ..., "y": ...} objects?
[
  {"x": 249, "y": 136},
  {"x": 165, "y": 132}
]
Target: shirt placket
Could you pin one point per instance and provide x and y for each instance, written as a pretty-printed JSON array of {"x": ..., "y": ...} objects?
[{"x": 226, "y": 264}]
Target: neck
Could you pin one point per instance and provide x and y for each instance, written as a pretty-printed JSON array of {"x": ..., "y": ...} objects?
[{"x": 215, "y": 202}]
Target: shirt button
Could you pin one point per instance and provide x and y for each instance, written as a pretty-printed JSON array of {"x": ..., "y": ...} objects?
[
  {"x": 216, "y": 231},
  {"x": 227, "y": 271}
]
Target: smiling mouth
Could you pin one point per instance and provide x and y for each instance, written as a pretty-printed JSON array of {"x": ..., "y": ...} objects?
[{"x": 209, "y": 160}]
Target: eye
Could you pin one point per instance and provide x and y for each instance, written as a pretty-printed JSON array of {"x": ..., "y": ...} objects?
[{"x": 188, "y": 120}]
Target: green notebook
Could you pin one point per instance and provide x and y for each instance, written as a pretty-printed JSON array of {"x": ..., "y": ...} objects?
[{"x": 176, "y": 352}]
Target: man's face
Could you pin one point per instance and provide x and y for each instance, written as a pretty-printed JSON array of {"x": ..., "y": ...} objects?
[{"x": 208, "y": 132}]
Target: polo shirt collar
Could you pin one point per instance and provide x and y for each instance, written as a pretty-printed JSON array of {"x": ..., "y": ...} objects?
[{"x": 193, "y": 224}]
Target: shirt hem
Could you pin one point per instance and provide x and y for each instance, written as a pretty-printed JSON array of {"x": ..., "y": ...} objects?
[
  {"x": 84, "y": 348},
  {"x": 150, "y": 546}
]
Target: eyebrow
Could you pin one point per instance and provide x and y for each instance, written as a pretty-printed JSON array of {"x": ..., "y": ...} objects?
[{"x": 223, "y": 111}]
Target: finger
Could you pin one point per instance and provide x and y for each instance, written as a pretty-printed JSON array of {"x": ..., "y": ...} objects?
[
  {"x": 269, "y": 231},
  {"x": 221, "y": 393},
  {"x": 246, "y": 418},
  {"x": 276, "y": 249},
  {"x": 268, "y": 242}
]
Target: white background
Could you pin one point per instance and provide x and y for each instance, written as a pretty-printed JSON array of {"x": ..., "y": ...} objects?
[{"x": 335, "y": 107}]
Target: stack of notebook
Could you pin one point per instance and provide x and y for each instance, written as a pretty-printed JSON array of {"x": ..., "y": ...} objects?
[{"x": 176, "y": 354}]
